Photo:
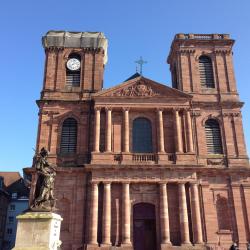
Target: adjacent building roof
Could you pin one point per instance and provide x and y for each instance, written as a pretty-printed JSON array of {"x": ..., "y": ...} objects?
[
  {"x": 66, "y": 39},
  {"x": 10, "y": 177}
]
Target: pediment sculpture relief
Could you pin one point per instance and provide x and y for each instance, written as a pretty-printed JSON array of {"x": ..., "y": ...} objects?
[{"x": 140, "y": 89}]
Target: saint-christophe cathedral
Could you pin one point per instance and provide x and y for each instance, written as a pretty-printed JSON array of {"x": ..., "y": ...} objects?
[{"x": 142, "y": 165}]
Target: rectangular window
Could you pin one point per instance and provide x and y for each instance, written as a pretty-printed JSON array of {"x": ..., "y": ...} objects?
[
  {"x": 9, "y": 230},
  {"x": 1, "y": 182},
  {"x": 12, "y": 207},
  {"x": 14, "y": 195},
  {"x": 11, "y": 219}
]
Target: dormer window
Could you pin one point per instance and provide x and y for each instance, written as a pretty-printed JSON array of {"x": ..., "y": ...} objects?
[
  {"x": 14, "y": 195},
  {"x": 73, "y": 71}
]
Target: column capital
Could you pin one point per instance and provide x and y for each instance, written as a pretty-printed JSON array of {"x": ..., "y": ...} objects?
[
  {"x": 97, "y": 108},
  {"x": 175, "y": 109},
  {"x": 126, "y": 182},
  {"x": 107, "y": 182},
  {"x": 195, "y": 113},
  {"x": 160, "y": 109},
  {"x": 163, "y": 183},
  {"x": 187, "y": 110},
  {"x": 125, "y": 109},
  {"x": 94, "y": 182},
  {"x": 108, "y": 108},
  {"x": 181, "y": 182}
]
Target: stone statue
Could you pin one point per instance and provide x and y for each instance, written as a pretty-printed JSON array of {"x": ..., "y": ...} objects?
[{"x": 44, "y": 192}]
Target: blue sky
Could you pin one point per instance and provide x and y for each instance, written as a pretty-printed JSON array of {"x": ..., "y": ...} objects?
[{"x": 133, "y": 28}]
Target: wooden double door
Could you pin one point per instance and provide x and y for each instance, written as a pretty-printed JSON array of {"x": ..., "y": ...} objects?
[{"x": 144, "y": 227}]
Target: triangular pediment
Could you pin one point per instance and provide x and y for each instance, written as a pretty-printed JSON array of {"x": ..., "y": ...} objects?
[{"x": 141, "y": 87}]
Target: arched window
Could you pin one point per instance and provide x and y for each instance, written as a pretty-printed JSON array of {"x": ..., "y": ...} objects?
[
  {"x": 142, "y": 136},
  {"x": 206, "y": 72},
  {"x": 73, "y": 71},
  {"x": 69, "y": 136},
  {"x": 213, "y": 137}
]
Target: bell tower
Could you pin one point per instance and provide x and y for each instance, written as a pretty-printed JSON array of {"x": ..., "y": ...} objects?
[
  {"x": 74, "y": 67},
  {"x": 202, "y": 64},
  {"x": 74, "y": 62}
]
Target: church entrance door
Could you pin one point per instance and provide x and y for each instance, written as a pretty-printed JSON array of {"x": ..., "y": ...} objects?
[{"x": 144, "y": 227}]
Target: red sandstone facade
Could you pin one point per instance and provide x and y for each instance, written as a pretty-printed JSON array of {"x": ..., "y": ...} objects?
[{"x": 179, "y": 194}]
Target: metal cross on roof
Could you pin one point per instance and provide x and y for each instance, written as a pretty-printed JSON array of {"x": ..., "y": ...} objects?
[{"x": 140, "y": 62}]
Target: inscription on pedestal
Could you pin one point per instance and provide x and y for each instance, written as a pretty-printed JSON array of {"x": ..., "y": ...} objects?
[{"x": 38, "y": 231}]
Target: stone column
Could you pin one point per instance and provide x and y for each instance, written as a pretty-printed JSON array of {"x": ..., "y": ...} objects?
[
  {"x": 183, "y": 214},
  {"x": 196, "y": 215},
  {"x": 125, "y": 214},
  {"x": 164, "y": 218},
  {"x": 108, "y": 128},
  {"x": 93, "y": 214},
  {"x": 126, "y": 130},
  {"x": 97, "y": 129},
  {"x": 189, "y": 132},
  {"x": 106, "y": 222},
  {"x": 161, "y": 132},
  {"x": 178, "y": 136}
]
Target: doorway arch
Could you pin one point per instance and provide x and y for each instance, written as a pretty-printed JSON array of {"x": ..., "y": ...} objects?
[{"x": 144, "y": 226}]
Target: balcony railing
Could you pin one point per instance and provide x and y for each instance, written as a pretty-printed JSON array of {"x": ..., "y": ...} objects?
[
  {"x": 144, "y": 157},
  {"x": 202, "y": 36}
]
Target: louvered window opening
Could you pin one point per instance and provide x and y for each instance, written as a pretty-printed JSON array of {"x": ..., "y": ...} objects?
[
  {"x": 174, "y": 78},
  {"x": 69, "y": 136},
  {"x": 213, "y": 137},
  {"x": 206, "y": 72},
  {"x": 73, "y": 78}
]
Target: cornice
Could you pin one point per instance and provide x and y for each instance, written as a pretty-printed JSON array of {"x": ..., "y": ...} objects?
[
  {"x": 229, "y": 104},
  {"x": 232, "y": 114}
]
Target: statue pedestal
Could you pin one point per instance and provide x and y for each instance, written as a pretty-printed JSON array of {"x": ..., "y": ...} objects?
[{"x": 38, "y": 231}]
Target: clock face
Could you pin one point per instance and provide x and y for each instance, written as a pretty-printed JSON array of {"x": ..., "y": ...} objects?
[{"x": 73, "y": 64}]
